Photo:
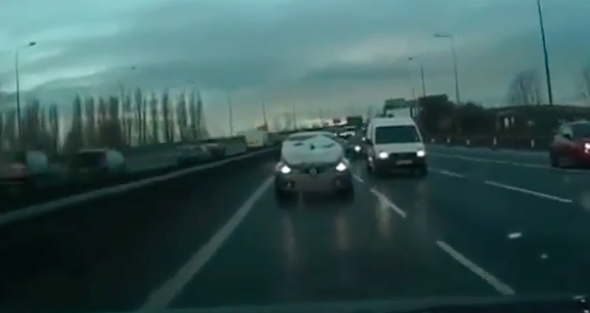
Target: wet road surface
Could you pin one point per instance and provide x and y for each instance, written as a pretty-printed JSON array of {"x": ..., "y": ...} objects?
[{"x": 482, "y": 223}]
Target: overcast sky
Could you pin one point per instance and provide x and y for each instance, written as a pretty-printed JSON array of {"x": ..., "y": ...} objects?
[{"x": 329, "y": 54}]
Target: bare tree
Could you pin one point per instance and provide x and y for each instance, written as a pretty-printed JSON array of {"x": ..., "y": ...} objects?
[
  {"x": 155, "y": 116},
  {"x": 74, "y": 137},
  {"x": 181, "y": 113},
  {"x": 166, "y": 116},
  {"x": 102, "y": 111},
  {"x": 586, "y": 84},
  {"x": 53, "y": 127},
  {"x": 90, "y": 125},
  {"x": 138, "y": 99},
  {"x": 192, "y": 112},
  {"x": 127, "y": 116},
  {"x": 525, "y": 89}
]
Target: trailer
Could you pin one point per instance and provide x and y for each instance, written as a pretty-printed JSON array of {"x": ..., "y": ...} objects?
[{"x": 255, "y": 138}]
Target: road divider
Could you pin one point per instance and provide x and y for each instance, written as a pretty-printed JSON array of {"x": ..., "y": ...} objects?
[{"x": 59, "y": 182}]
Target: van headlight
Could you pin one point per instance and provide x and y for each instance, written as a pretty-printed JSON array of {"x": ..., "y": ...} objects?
[
  {"x": 341, "y": 167},
  {"x": 383, "y": 155},
  {"x": 421, "y": 153},
  {"x": 283, "y": 168},
  {"x": 357, "y": 148}
]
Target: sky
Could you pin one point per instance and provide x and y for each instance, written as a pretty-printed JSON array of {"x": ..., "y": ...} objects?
[{"x": 328, "y": 55}]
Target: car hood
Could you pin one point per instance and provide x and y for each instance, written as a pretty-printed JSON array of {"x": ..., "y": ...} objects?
[{"x": 514, "y": 303}]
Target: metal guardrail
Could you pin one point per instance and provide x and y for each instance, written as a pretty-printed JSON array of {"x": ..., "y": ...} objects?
[
  {"x": 495, "y": 142},
  {"x": 142, "y": 162}
]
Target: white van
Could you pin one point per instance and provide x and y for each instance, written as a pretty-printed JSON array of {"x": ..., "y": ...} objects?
[{"x": 395, "y": 143}]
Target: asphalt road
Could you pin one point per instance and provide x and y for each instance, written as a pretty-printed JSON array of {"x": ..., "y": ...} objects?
[{"x": 482, "y": 223}]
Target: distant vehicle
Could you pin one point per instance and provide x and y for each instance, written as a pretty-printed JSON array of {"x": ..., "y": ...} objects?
[
  {"x": 255, "y": 138},
  {"x": 189, "y": 154},
  {"x": 96, "y": 165},
  {"x": 571, "y": 145},
  {"x": 23, "y": 171},
  {"x": 395, "y": 143},
  {"x": 356, "y": 121},
  {"x": 312, "y": 161}
]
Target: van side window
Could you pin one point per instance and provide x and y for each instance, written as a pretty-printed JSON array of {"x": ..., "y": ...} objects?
[{"x": 396, "y": 134}]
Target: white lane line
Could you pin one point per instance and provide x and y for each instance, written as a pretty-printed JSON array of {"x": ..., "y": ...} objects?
[
  {"x": 357, "y": 177},
  {"x": 525, "y": 165},
  {"x": 530, "y": 192},
  {"x": 388, "y": 203},
  {"x": 475, "y": 269},
  {"x": 167, "y": 292},
  {"x": 448, "y": 173}
]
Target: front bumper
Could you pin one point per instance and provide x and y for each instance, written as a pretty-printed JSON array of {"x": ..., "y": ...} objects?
[
  {"x": 305, "y": 182},
  {"x": 400, "y": 161}
]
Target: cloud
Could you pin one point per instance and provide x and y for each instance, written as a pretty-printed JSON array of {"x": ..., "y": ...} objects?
[{"x": 323, "y": 53}]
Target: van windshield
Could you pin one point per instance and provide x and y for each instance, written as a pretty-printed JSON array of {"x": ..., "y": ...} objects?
[{"x": 396, "y": 134}]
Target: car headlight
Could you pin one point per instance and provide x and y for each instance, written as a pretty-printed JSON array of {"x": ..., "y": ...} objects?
[
  {"x": 587, "y": 146},
  {"x": 341, "y": 167},
  {"x": 284, "y": 169},
  {"x": 421, "y": 153},
  {"x": 383, "y": 155},
  {"x": 357, "y": 148}
]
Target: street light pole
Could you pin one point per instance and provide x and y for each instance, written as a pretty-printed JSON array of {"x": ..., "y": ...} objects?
[
  {"x": 18, "y": 106},
  {"x": 545, "y": 54},
  {"x": 422, "y": 76},
  {"x": 264, "y": 116},
  {"x": 294, "y": 116},
  {"x": 231, "y": 115},
  {"x": 455, "y": 66}
]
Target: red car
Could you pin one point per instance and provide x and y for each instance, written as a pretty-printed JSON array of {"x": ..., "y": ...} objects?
[{"x": 571, "y": 145}]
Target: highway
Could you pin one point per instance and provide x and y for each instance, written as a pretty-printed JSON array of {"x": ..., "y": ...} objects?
[{"x": 482, "y": 223}]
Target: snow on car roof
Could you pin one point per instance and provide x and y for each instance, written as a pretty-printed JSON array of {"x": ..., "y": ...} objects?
[{"x": 311, "y": 147}]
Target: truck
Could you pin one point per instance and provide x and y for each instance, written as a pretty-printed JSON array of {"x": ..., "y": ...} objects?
[
  {"x": 354, "y": 121},
  {"x": 255, "y": 138}
]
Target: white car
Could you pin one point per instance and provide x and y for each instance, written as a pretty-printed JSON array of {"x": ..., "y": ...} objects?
[{"x": 312, "y": 161}]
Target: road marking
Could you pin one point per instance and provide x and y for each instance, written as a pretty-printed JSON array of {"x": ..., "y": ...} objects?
[
  {"x": 475, "y": 269},
  {"x": 357, "y": 177},
  {"x": 167, "y": 292},
  {"x": 526, "y": 165},
  {"x": 448, "y": 173},
  {"x": 388, "y": 203},
  {"x": 530, "y": 192}
]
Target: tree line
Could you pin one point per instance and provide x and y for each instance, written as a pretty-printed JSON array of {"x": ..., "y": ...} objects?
[{"x": 117, "y": 121}]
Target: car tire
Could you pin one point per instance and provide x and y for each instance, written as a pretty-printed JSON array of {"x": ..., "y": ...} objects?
[
  {"x": 346, "y": 194},
  {"x": 283, "y": 196},
  {"x": 553, "y": 159},
  {"x": 422, "y": 172}
]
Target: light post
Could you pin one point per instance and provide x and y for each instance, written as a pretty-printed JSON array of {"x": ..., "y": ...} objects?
[
  {"x": 545, "y": 54},
  {"x": 455, "y": 67},
  {"x": 17, "y": 78},
  {"x": 422, "y": 76}
]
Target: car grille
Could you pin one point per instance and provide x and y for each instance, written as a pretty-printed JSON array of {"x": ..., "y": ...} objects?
[
  {"x": 319, "y": 168},
  {"x": 402, "y": 155}
]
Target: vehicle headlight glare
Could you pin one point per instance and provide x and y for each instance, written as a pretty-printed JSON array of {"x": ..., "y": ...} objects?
[
  {"x": 285, "y": 169},
  {"x": 341, "y": 167},
  {"x": 421, "y": 153},
  {"x": 383, "y": 155},
  {"x": 587, "y": 146},
  {"x": 357, "y": 148}
]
